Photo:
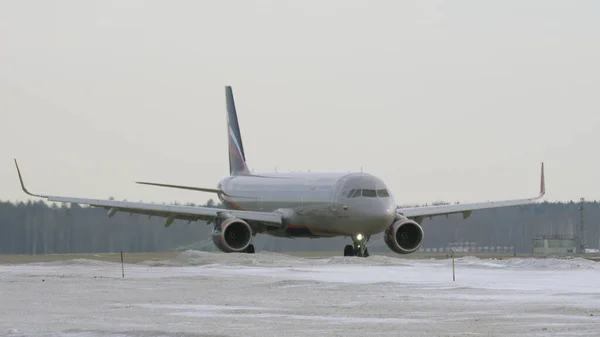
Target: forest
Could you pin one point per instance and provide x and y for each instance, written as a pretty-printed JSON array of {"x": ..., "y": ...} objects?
[{"x": 41, "y": 228}]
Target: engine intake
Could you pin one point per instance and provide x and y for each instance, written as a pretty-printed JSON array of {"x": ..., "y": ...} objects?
[
  {"x": 404, "y": 236},
  {"x": 232, "y": 235}
]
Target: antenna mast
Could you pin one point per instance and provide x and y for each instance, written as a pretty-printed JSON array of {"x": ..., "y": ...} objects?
[{"x": 582, "y": 239}]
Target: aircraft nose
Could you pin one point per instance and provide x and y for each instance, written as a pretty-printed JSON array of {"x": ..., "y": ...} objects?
[
  {"x": 385, "y": 212},
  {"x": 389, "y": 211},
  {"x": 387, "y": 207}
]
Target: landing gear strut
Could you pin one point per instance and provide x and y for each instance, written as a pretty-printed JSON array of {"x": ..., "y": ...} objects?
[
  {"x": 359, "y": 248},
  {"x": 250, "y": 249}
]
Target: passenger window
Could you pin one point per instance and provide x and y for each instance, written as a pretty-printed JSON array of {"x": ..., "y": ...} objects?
[
  {"x": 369, "y": 193},
  {"x": 382, "y": 193}
]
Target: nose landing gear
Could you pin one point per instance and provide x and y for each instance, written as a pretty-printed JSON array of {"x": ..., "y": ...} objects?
[{"x": 359, "y": 248}]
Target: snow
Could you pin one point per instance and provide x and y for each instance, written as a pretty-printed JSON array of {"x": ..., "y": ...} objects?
[{"x": 266, "y": 294}]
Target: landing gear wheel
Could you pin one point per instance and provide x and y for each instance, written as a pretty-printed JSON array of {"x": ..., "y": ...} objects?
[
  {"x": 359, "y": 247},
  {"x": 348, "y": 250},
  {"x": 250, "y": 249}
]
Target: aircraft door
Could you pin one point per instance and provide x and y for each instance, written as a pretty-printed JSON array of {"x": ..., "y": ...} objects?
[{"x": 336, "y": 197}]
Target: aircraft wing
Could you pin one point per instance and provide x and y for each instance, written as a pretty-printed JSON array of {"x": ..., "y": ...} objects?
[
  {"x": 170, "y": 212},
  {"x": 466, "y": 209}
]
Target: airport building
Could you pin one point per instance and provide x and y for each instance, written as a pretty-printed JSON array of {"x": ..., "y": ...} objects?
[
  {"x": 468, "y": 247},
  {"x": 554, "y": 245}
]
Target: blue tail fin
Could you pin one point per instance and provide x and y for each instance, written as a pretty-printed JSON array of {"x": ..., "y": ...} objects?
[{"x": 237, "y": 158}]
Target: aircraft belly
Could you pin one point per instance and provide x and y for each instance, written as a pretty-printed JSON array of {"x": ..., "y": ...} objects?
[{"x": 315, "y": 224}]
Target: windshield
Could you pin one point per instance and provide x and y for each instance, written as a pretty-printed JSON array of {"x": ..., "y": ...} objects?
[{"x": 368, "y": 193}]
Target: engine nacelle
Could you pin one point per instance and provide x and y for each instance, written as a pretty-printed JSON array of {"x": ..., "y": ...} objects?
[
  {"x": 232, "y": 235},
  {"x": 404, "y": 236}
]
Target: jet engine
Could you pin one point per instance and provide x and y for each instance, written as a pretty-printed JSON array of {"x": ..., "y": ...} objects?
[
  {"x": 404, "y": 236},
  {"x": 232, "y": 235}
]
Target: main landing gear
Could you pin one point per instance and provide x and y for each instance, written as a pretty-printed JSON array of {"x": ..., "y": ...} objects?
[
  {"x": 250, "y": 248},
  {"x": 359, "y": 248}
]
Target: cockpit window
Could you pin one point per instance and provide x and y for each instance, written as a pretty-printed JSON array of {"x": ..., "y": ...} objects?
[
  {"x": 382, "y": 193},
  {"x": 369, "y": 193}
]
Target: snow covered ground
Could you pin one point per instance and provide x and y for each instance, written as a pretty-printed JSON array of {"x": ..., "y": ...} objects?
[{"x": 266, "y": 294}]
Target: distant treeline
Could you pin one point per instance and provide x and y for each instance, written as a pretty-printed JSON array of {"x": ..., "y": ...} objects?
[{"x": 38, "y": 228}]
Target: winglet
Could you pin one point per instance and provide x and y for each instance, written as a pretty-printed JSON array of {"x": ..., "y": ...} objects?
[
  {"x": 542, "y": 182},
  {"x": 23, "y": 185}
]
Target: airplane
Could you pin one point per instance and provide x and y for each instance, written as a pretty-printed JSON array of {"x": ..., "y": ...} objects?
[{"x": 296, "y": 205}]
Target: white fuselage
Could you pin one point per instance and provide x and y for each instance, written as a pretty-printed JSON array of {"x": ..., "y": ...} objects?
[{"x": 321, "y": 203}]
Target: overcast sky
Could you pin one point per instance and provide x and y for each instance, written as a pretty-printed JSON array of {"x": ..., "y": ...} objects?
[{"x": 444, "y": 100}]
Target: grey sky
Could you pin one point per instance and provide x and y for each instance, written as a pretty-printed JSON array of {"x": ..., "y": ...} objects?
[{"x": 444, "y": 100}]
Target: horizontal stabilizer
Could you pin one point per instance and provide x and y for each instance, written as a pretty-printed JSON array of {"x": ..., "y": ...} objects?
[{"x": 201, "y": 189}]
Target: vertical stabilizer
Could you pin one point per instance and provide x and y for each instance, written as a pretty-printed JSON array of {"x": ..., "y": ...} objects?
[{"x": 237, "y": 158}]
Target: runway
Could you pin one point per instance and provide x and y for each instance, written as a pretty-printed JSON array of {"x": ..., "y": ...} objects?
[{"x": 267, "y": 294}]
